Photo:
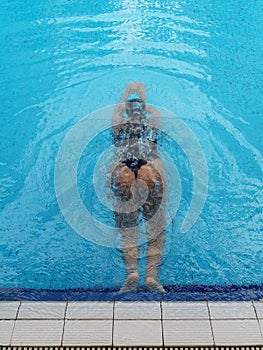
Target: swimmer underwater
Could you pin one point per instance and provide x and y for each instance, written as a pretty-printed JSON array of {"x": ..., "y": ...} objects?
[{"x": 135, "y": 128}]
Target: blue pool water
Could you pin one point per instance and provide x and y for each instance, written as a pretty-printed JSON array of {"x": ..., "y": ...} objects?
[{"x": 202, "y": 64}]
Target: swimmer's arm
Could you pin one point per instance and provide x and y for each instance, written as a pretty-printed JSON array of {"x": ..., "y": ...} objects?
[
  {"x": 156, "y": 116},
  {"x": 135, "y": 87},
  {"x": 117, "y": 117}
]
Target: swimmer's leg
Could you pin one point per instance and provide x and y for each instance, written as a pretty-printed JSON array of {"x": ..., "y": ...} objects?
[
  {"x": 130, "y": 251},
  {"x": 154, "y": 213},
  {"x": 122, "y": 180},
  {"x": 156, "y": 240}
]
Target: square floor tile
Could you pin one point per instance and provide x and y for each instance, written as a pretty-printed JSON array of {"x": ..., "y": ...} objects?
[
  {"x": 259, "y": 308},
  {"x": 232, "y": 310},
  {"x": 42, "y": 310},
  {"x": 182, "y": 310},
  {"x": 236, "y": 332},
  {"x": 137, "y": 333},
  {"x": 6, "y": 329},
  {"x": 137, "y": 310},
  {"x": 87, "y": 332},
  {"x": 8, "y": 310},
  {"x": 90, "y": 310},
  {"x": 37, "y": 332},
  {"x": 187, "y": 332}
]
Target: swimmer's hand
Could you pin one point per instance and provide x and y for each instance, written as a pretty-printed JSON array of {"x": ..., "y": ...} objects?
[{"x": 135, "y": 87}]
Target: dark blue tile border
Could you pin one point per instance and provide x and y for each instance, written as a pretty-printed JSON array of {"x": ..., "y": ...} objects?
[{"x": 173, "y": 293}]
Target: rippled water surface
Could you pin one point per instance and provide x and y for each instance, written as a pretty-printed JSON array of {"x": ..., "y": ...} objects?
[{"x": 201, "y": 62}]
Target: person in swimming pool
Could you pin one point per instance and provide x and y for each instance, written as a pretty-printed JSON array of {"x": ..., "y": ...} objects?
[{"x": 135, "y": 135}]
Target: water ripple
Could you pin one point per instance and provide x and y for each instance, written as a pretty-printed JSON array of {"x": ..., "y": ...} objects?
[{"x": 74, "y": 58}]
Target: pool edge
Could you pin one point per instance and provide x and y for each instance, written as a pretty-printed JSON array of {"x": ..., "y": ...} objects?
[{"x": 173, "y": 293}]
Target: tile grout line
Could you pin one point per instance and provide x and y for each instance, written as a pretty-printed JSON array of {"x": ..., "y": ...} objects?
[
  {"x": 113, "y": 320},
  {"x": 64, "y": 323},
  {"x": 162, "y": 327},
  {"x": 17, "y": 312},
  {"x": 18, "y": 309},
  {"x": 260, "y": 329},
  {"x": 210, "y": 321}
]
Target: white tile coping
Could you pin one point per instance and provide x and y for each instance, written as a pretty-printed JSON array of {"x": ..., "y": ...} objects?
[
  {"x": 37, "y": 332},
  {"x": 187, "y": 332},
  {"x": 6, "y": 329},
  {"x": 185, "y": 310},
  {"x": 9, "y": 310},
  {"x": 137, "y": 333},
  {"x": 87, "y": 332},
  {"x": 131, "y": 323},
  {"x": 232, "y": 310},
  {"x": 42, "y": 310},
  {"x": 259, "y": 309},
  {"x": 90, "y": 310},
  {"x": 139, "y": 310},
  {"x": 236, "y": 332}
]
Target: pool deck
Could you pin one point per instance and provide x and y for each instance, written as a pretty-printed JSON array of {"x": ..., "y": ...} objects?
[{"x": 118, "y": 323}]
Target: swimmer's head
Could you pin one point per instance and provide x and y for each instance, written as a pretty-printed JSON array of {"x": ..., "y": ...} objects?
[{"x": 135, "y": 107}]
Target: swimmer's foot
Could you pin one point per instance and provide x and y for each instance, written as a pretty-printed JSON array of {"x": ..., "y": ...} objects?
[
  {"x": 154, "y": 285},
  {"x": 131, "y": 283}
]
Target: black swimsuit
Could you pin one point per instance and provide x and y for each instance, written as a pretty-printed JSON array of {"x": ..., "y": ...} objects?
[
  {"x": 135, "y": 165},
  {"x": 136, "y": 143}
]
